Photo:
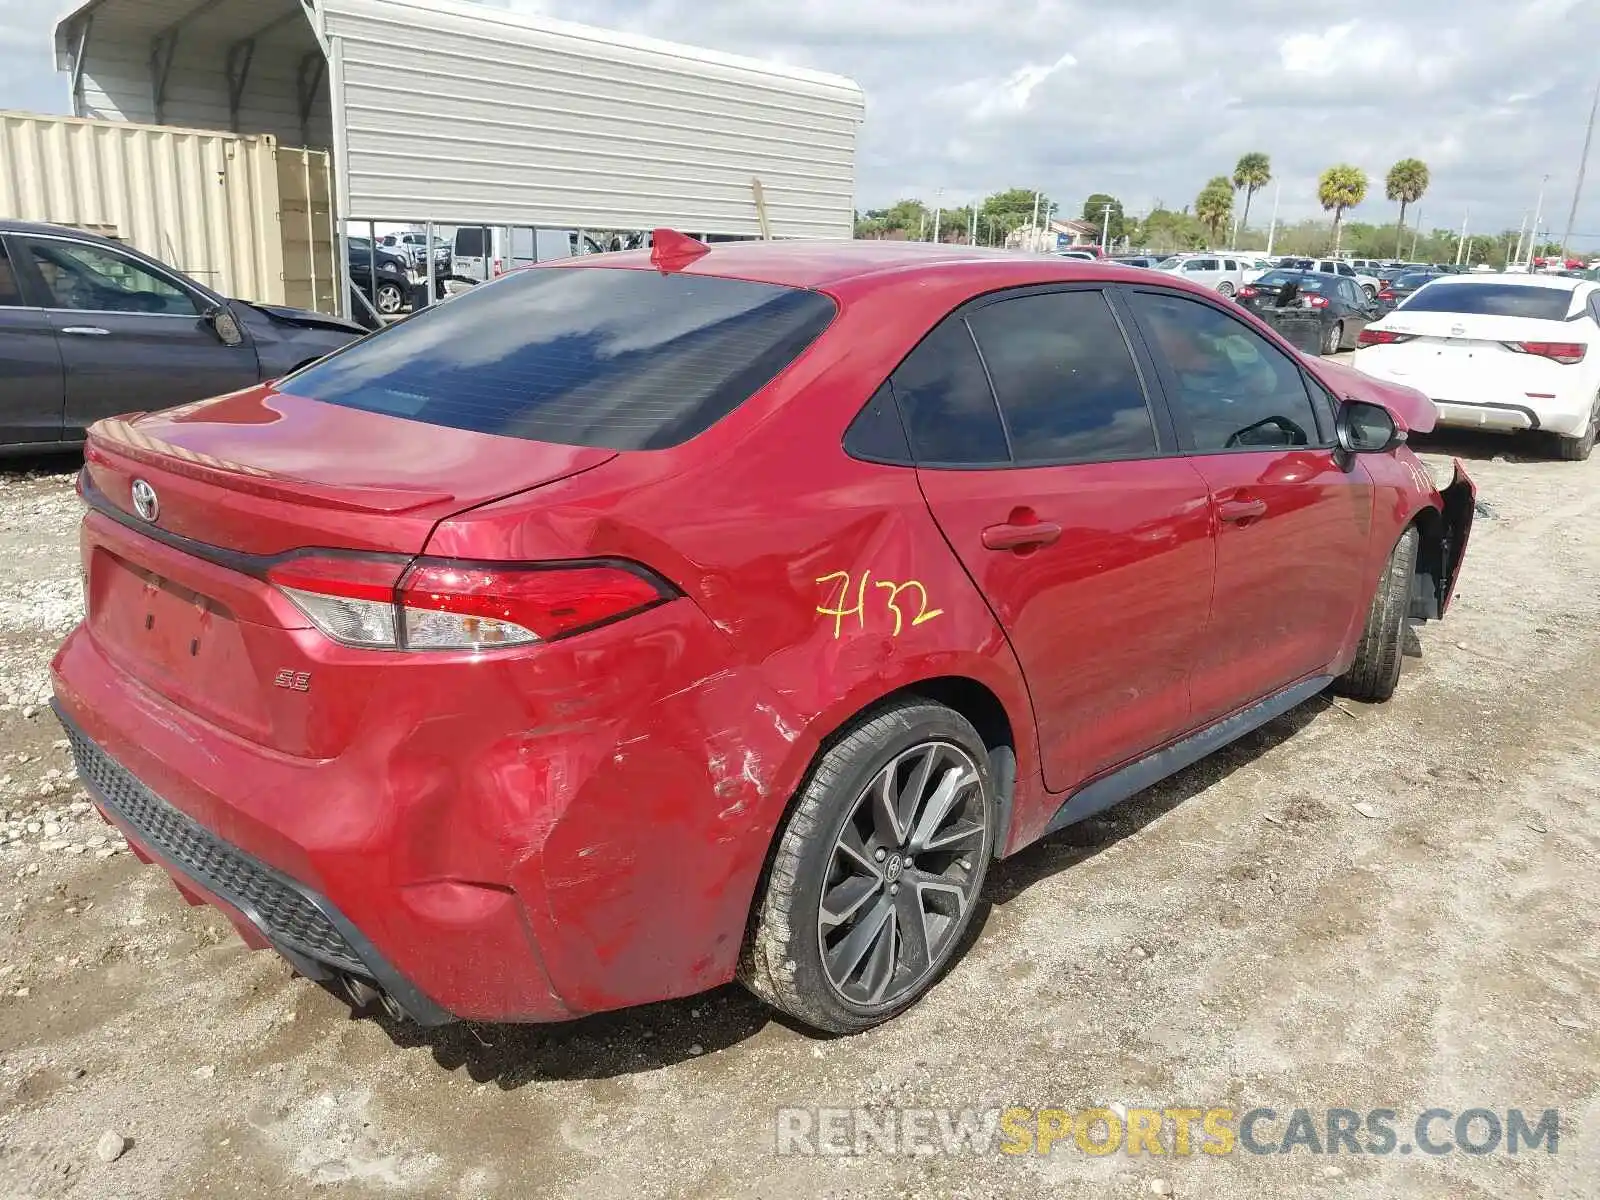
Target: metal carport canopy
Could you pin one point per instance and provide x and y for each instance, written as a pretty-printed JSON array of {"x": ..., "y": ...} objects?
[{"x": 463, "y": 114}]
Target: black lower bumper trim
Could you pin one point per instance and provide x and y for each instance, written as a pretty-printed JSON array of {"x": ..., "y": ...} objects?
[{"x": 300, "y": 923}]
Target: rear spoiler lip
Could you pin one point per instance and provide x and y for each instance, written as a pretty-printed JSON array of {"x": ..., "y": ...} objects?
[{"x": 119, "y": 436}]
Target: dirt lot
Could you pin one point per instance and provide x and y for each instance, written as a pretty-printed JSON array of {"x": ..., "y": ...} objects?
[{"x": 1241, "y": 935}]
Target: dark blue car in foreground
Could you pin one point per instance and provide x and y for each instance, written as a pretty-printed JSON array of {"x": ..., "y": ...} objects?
[{"x": 90, "y": 328}]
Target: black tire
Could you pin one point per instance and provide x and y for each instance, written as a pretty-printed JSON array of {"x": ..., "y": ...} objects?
[
  {"x": 1334, "y": 342},
  {"x": 783, "y": 962},
  {"x": 1372, "y": 292},
  {"x": 1577, "y": 449},
  {"x": 1226, "y": 288},
  {"x": 1376, "y": 669},
  {"x": 390, "y": 298}
]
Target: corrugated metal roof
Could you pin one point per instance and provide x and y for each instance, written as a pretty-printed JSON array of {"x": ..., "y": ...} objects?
[{"x": 465, "y": 114}]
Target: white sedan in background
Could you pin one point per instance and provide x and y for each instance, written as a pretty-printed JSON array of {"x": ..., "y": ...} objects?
[{"x": 1503, "y": 352}]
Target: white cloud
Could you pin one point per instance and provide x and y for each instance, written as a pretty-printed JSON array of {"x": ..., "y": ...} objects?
[{"x": 1318, "y": 53}]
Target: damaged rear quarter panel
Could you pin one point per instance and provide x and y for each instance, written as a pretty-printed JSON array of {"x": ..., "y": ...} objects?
[{"x": 823, "y": 584}]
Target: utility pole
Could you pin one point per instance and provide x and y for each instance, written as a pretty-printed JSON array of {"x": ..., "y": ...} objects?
[
  {"x": 1538, "y": 211},
  {"x": 938, "y": 207},
  {"x": 1583, "y": 163},
  {"x": 972, "y": 237},
  {"x": 1105, "y": 230},
  {"x": 1516, "y": 255},
  {"x": 1461, "y": 246},
  {"x": 1272, "y": 229},
  {"x": 1416, "y": 236}
]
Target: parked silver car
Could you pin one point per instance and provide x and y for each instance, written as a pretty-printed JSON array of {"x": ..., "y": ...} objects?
[
  {"x": 1222, "y": 272},
  {"x": 415, "y": 247}
]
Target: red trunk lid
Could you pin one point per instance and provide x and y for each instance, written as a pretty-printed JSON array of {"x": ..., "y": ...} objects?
[
  {"x": 262, "y": 471},
  {"x": 258, "y": 473}
]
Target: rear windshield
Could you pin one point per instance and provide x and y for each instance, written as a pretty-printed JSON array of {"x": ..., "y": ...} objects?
[
  {"x": 615, "y": 358},
  {"x": 1306, "y": 282},
  {"x": 1493, "y": 300},
  {"x": 1415, "y": 279}
]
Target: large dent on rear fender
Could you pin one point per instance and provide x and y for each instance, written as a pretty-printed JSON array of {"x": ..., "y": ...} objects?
[{"x": 646, "y": 866}]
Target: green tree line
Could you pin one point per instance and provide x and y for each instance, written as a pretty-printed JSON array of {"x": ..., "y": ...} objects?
[{"x": 1210, "y": 221}]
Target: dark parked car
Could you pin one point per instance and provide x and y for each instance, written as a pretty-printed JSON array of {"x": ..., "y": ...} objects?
[
  {"x": 1403, "y": 286},
  {"x": 1339, "y": 302},
  {"x": 634, "y": 623},
  {"x": 90, "y": 328},
  {"x": 1137, "y": 260},
  {"x": 383, "y": 275}
]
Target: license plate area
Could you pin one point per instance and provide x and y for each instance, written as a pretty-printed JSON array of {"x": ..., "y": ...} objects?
[{"x": 183, "y": 644}]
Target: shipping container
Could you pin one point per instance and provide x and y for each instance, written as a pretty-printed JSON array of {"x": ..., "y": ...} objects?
[{"x": 241, "y": 214}]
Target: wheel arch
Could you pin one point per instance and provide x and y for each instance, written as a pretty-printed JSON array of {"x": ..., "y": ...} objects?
[{"x": 1007, "y": 735}]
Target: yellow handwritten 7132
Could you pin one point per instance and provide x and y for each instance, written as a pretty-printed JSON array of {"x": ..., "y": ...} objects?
[{"x": 891, "y": 602}]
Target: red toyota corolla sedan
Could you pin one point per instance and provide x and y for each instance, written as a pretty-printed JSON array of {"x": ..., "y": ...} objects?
[{"x": 649, "y": 620}]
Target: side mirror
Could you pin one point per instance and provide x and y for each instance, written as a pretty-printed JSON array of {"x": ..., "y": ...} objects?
[
  {"x": 225, "y": 325},
  {"x": 1363, "y": 428}
]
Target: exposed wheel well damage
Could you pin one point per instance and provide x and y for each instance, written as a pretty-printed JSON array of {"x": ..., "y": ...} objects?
[
  {"x": 1444, "y": 540},
  {"x": 1427, "y": 592}
]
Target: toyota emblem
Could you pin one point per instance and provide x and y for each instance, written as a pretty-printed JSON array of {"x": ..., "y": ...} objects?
[{"x": 145, "y": 501}]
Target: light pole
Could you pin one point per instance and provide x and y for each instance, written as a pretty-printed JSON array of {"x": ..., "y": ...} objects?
[
  {"x": 938, "y": 207},
  {"x": 1461, "y": 246},
  {"x": 1538, "y": 211},
  {"x": 1583, "y": 163},
  {"x": 1105, "y": 229},
  {"x": 1272, "y": 229}
]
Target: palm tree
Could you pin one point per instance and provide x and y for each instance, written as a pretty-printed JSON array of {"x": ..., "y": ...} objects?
[
  {"x": 1252, "y": 172},
  {"x": 1407, "y": 180},
  {"x": 1214, "y": 205},
  {"x": 1341, "y": 187}
]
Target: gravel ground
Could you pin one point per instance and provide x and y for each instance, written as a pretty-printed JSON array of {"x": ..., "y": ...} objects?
[{"x": 1363, "y": 907}]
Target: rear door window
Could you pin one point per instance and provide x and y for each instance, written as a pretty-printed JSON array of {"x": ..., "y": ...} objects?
[
  {"x": 946, "y": 402},
  {"x": 1065, "y": 378},
  {"x": 10, "y": 285},
  {"x": 607, "y": 357},
  {"x": 1492, "y": 300}
]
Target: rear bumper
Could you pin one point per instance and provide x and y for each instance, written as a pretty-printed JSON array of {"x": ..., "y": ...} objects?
[
  {"x": 1489, "y": 407},
  {"x": 1486, "y": 416},
  {"x": 303, "y": 926},
  {"x": 503, "y": 842}
]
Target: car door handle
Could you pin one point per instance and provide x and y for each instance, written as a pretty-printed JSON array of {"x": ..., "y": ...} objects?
[
  {"x": 1239, "y": 511},
  {"x": 86, "y": 331},
  {"x": 1020, "y": 536}
]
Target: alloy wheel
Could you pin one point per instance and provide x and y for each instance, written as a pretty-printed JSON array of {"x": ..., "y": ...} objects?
[
  {"x": 903, "y": 874},
  {"x": 390, "y": 299}
]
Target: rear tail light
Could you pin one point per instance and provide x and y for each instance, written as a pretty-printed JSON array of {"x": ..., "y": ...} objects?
[
  {"x": 1317, "y": 301},
  {"x": 1246, "y": 292},
  {"x": 1381, "y": 337},
  {"x": 1386, "y": 294},
  {"x": 1565, "y": 353},
  {"x": 387, "y": 603}
]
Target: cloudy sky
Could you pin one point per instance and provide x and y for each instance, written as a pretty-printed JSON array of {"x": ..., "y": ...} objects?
[{"x": 1144, "y": 100}]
